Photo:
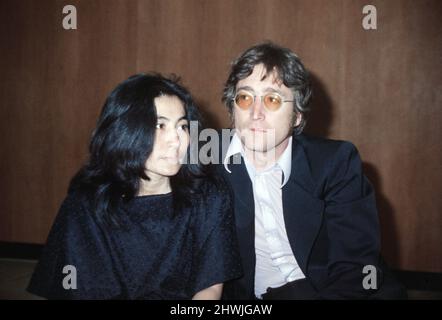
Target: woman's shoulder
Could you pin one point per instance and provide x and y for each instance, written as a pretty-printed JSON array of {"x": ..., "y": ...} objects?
[
  {"x": 78, "y": 199},
  {"x": 213, "y": 203},
  {"x": 75, "y": 208},
  {"x": 215, "y": 187}
]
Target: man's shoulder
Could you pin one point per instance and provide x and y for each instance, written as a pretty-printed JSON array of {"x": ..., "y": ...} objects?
[
  {"x": 324, "y": 157},
  {"x": 322, "y": 147}
]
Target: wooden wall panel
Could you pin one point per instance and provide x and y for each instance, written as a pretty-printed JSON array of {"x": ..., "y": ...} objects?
[{"x": 380, "y": 89}]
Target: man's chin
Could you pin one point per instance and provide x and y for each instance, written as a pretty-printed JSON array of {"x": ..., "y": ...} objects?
[
  {"x": 258, "y": 147},
  {"x": 255, "y": 143}
]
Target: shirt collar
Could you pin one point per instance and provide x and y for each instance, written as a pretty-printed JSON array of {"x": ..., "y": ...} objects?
[
  {"x": 235, "y": 147},
  {"x": 284, "y": 161}
]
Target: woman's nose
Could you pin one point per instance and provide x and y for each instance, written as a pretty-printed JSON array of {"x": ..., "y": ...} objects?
[{"x": 172, "y": 138}]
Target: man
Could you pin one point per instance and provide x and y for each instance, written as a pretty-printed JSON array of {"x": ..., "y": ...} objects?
[{"x": 305, "y": 214}]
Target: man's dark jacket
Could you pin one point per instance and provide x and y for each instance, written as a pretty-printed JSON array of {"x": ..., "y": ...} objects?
[{"x": 331, "y": 221}]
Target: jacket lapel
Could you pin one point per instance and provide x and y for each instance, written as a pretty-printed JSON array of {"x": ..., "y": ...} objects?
[
  {"x": 245, "y": 223},
  {"x": 242, "y": 188},
  {"x": 302, "y": 211}
]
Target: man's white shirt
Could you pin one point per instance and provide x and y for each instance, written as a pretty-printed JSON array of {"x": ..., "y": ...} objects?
[{"x": 275, "y": 263}]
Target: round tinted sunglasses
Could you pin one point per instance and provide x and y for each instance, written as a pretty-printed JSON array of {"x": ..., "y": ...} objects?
[{"x": 272, "y": 101}]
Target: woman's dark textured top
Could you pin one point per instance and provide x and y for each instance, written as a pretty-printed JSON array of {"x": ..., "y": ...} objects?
[{"x": 158, "y": 255}]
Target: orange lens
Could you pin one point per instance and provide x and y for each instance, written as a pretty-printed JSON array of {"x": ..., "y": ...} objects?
[
  {"x": 272, "y": 101},
  {"x": 243, "y": 100}
]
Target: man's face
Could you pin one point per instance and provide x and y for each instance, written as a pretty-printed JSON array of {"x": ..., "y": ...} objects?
[{"x": 260, "y": 129}]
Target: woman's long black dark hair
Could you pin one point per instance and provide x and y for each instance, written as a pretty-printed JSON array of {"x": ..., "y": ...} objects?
[{"x": 122, "y": 142}]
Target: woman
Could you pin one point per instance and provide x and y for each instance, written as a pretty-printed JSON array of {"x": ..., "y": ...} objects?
[{"x": 136, "y": 224}]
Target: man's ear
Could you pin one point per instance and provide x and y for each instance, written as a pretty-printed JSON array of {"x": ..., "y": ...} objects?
[{"x": 297, "y": 117}]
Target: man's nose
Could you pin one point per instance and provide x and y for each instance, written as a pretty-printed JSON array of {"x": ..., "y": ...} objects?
[{"x": 258, "y": 109}]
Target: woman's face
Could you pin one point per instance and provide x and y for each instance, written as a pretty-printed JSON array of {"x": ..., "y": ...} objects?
[{"x": 171, "y": 138}]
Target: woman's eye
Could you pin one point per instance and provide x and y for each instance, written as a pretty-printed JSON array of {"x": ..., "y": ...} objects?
[
  {"x": 160, "y": 126},
  {"x": 184, "y": 127}
]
